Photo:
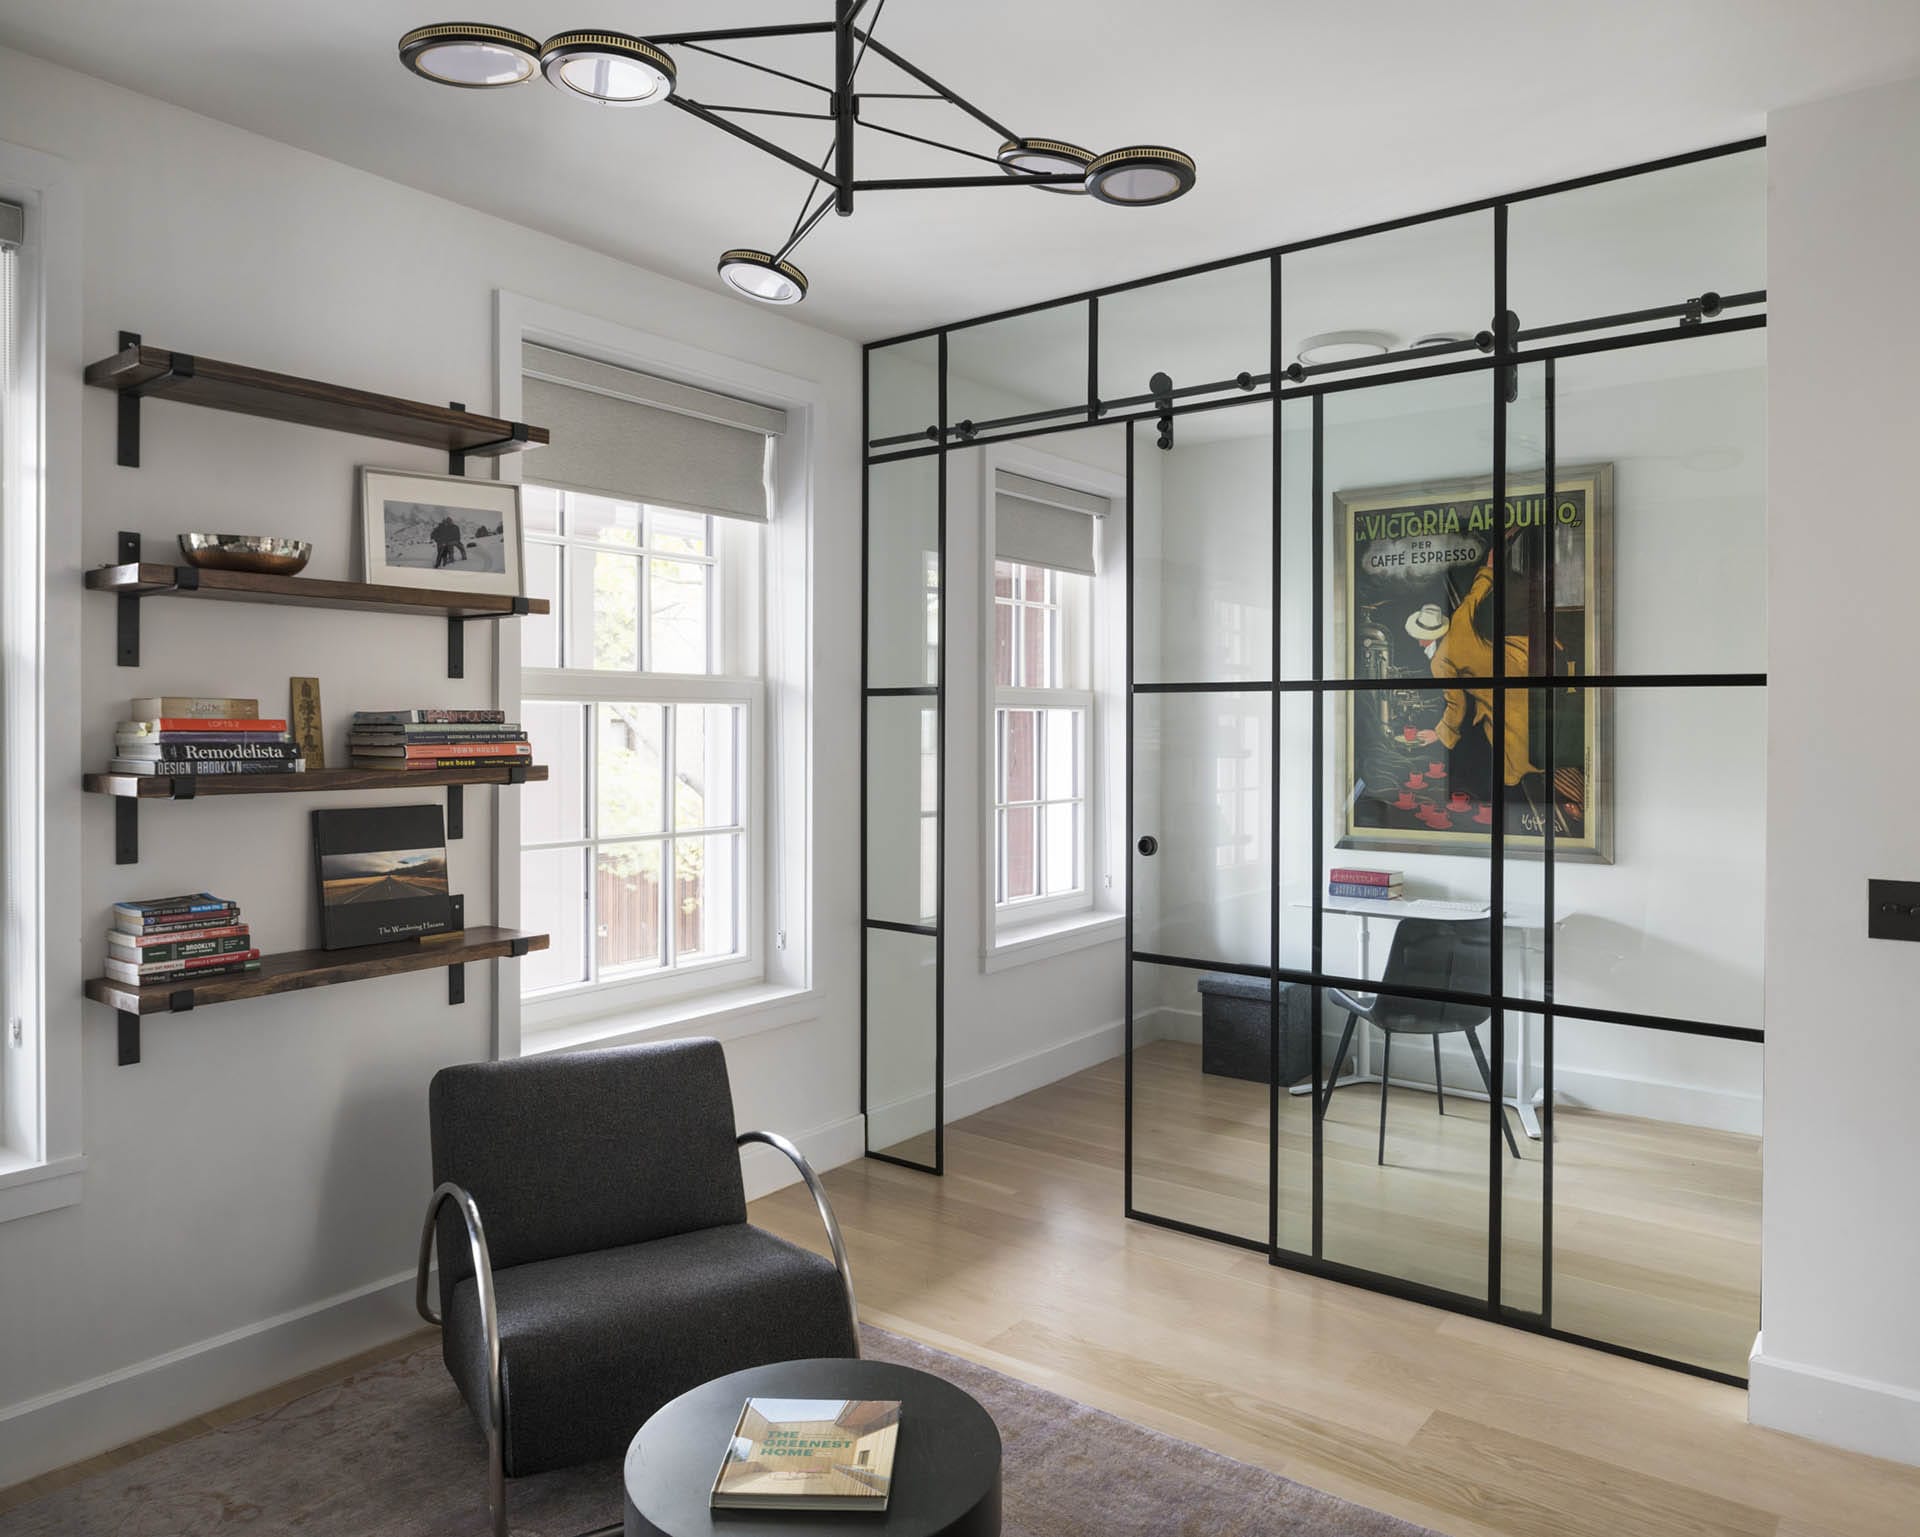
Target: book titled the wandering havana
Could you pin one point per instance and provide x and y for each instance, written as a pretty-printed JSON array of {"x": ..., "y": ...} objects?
[{"x": 809, "y": 1454}]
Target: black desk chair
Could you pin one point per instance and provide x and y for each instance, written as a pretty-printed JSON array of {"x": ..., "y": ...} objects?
[
  {"x": 616, "y": 1268},
  {"x": 1445, "y": 957}
]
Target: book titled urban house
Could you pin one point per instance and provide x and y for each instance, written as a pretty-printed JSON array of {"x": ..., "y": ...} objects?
[
  {"x": 383, "y": 874},
  {"x": 809, "y": 1454}
]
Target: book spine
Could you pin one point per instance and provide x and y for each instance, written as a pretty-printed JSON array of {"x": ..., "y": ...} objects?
[
  {"x": 146, "y": 952},
  {"x": 133, "y": 928},
  {"x": 153, "y": 768},
  {"x": 473, "y": 750},
  {"x": 224, "y": 724},
  {"x": 429, "y": 717},
  {"x": 120, "y": 971},
  {"x": 432, "y": 736},
  {"x": 187, "y": 902},
  {"x": 410, "y": 763},
  {"x": 1349, "y": 877},
  {"x": 192, "y": 930},
  {"x": 188, "y": 705},
  {"x": 1370, "y": 893},
  {"x": 215, "y": 961},
  {"x": 213, "y": 752}
]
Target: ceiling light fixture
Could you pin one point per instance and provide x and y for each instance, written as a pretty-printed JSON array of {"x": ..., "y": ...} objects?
[
  {"x": 616, "y": 70},
  {"x": 763, "y": 276},
  {"x": 1047, "y": 157},
  {"x": 1344, "y": 346},
  {"x": 470, "y": 56},
  {"x": 609, "y": 68}
]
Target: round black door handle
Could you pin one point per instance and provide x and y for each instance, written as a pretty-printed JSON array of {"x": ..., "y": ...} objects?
[{"x": 1149, "y": 845}]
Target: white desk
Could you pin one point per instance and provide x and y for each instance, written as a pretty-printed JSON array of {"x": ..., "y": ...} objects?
[{"x": 1525, "y": 920}]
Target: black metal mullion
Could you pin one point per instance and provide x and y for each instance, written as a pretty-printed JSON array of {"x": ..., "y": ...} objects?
[
  {"x": 866, "y": 710},
  {"x": 1317, "y": 957},
  {"x": 1274, "y": 1011},
  {"x": 940, "y": 798},
  {"x": 1127, "y": 855},
  {"x": 1497, "y": 843}
]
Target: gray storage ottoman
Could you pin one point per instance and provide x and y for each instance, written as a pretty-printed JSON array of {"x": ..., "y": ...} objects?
[{"x": 1233, "y": 1029}]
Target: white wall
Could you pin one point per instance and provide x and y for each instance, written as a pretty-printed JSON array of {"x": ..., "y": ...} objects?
[
  {"x": 1839, "y": 1357},
  {"x": 268, "y": 1160}
]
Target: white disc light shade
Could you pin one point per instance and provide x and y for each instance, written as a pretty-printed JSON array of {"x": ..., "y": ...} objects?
[
  {"x": 1141, "y": 175},
  {"x": 470, "y": 55},
  {"x": 608, "y": 67},
  {"x": 1047, "y": 157},
  {"x": 1344, "y": 346},
  {"x": 757, "y": 275}
]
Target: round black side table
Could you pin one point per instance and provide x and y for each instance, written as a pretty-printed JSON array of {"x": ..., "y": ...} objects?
[{"x": 946, "y": 1463}]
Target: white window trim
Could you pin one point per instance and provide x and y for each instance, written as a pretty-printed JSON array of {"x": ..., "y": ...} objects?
[
  {"x": 781, "y": 992},
  {"x": 1044, "y": 929},
  {"x": 49, "y": 1173}
]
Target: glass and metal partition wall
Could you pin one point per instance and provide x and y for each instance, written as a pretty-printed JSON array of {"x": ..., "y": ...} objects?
[{"x": 1446, "y": 559}]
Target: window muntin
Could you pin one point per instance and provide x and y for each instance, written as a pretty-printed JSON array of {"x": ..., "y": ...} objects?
[{"x": 1042, "y": 723}]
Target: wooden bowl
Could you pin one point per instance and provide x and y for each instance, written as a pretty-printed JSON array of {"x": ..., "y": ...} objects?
[{"x": 246, "y": 552}]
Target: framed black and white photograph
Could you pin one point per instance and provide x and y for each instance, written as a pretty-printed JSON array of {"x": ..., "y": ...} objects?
[{"x": 443, "y": 531}]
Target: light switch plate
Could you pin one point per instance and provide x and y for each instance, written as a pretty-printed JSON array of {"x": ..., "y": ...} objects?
[{"x": 1893, "y": 910}]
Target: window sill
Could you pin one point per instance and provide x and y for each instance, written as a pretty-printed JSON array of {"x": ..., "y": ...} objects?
[
  {"x": 27, "y": 1189},
  {"x": 1050, "y": 937},
  {"x": 728, "y": 1016}
]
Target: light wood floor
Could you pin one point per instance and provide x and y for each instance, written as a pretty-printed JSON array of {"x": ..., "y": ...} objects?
[{"x": 1020, "y": 1259}]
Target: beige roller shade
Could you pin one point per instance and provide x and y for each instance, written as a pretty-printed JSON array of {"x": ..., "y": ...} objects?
[
  {"x": 630, "y": 435},
  {"x": 1039, "y": 524}
]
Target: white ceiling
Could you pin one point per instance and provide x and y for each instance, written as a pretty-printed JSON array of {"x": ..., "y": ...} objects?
[{"x": 1304, "y": 118}]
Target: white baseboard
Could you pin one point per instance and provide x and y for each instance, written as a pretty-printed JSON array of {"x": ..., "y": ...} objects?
[
  {"x": 969, "y": 1095},
  {"x": 54, "y": 1429},
  {"x": 1878, "y": 1418},
  {"x": 71, "y": 1423}
]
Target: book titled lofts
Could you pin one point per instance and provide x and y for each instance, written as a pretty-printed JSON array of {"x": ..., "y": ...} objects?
[
  {"x": 195, "y": 706},
  {"x": 823, "y": 1454},
  {"x": 160, "y": 728}
]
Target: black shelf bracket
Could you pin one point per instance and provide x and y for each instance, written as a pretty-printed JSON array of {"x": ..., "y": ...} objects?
[
  {"x": 456, "y": 463},
  {"x": 127, "y": 553},
  {"x": 185, "y": 786},
  {"x": 126, "y": 830},
  {"x": 456, "y": 647},
  {"x": 519, "y": 948},
  {"x": 457, "y": 974},
  {"x": 516, "y": 773},
  {"x": 180, "y": 365},
  {"x": 129, "y": 1036},
  {"x": 456, "y": 811}
]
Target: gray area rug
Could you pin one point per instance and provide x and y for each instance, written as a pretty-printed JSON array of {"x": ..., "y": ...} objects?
[{"x": 391, "y": 1452}]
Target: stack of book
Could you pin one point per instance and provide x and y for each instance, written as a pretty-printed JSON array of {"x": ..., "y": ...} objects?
[
  {"x": 178, "y": 939},
  {"x": 178, "y": 734},
  {"x": 1368, "y": 885},
  {"x": 436, "y": 739}
]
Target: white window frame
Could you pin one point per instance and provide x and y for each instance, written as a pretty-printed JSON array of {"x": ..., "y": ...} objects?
[
  {"x": 1013, "y": 912},
  {"x": 1027, "y": 931},
  {"x": 728, "y": 997},
  {"x": 41, "y": 1164}
]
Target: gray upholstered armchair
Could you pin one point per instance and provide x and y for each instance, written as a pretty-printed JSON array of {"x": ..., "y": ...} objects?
[{"x": 595, "y": 1255}]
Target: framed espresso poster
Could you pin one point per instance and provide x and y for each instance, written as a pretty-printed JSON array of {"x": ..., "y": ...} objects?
[
  {"x": 382, "y": 872},
  {"x": 1416, "y": 758}
]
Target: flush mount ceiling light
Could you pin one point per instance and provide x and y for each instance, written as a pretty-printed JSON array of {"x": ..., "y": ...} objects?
[
  {"x": 1140, "y": 176},
  {"x": 470, "y": 56},
  {"x": 616, "y": 70},
  {"x": 760, "y": 275},
  {"x": 608, "y": 67},
  {"x": 1344, "y": 346},
  {"x": 1047, "y": 157}
]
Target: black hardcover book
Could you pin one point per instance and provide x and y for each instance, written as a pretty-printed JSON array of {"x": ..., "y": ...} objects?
[{"x": 382, "y": 872}]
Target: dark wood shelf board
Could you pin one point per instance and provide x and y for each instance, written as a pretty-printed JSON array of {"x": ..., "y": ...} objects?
[
  {"x": 160, "y": 787},
  {"x": 151, "y": 579},
  {"x": 148, "y": 371},
  {"x": 294, "y": 971}
]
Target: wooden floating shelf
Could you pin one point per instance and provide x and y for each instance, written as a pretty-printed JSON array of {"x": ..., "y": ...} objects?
[
  {"x": 150, "y": 579},
  {"x": 295, "y": 971},
  {"x": 167, "y": 787},
  {"x": 137, "y": 371}
]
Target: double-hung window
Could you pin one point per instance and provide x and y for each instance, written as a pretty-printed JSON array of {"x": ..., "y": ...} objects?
[
  {"x": 643, "y": 854},
  {"x": 1042, "y": 816}
]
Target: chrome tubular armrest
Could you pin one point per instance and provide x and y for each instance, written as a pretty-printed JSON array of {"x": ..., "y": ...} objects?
[
  {"x": 489, "y": 1325},
  {"x": 819, "y": 1193},
  {"x": 1354, "y": 1003}
]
